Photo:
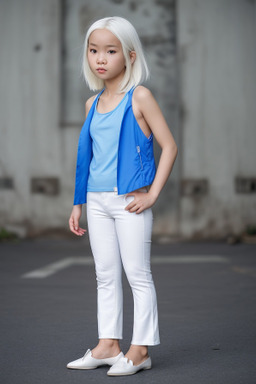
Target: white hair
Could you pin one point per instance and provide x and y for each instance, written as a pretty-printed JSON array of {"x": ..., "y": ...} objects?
[{"x": 135, "y": 73}]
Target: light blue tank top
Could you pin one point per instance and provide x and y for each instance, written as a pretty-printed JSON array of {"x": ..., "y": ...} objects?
[{"x": 104, "y": 131}]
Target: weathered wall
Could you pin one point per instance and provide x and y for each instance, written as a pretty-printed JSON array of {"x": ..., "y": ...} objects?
[
  {"x": 43, "y": 97},
  {"x": 30, "y": 144},
  {"x": 217, "y": 61}
]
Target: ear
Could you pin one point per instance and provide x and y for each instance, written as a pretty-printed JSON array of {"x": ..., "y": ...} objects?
[{"x": 132, "y": 56}]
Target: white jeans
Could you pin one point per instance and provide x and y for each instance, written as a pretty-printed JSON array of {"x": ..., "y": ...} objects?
[{"x": 119, "y": 237}]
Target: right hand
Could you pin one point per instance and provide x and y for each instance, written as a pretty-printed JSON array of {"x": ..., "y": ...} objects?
[{"x": 74, "y": 221}]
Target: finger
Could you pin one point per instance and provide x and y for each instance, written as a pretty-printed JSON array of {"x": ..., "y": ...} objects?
[
  {"x": 74, "y": 227},
  {"x": 79, "y": 232},
  {"x": 71, "y": 224},
  {"x": 130, "y": 206},
  {"x": 134, "y": 208},
  {"x": 74, "y": 231},
  {"x": 76, "y": 224},
  {"x": 141, "y": 209}
]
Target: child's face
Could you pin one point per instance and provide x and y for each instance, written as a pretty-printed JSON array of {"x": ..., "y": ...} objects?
[{"x": 105, "y": 55}]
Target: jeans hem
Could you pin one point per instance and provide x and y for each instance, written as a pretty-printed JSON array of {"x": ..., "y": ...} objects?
[
  {"x": 150, "y": 343},
  {"x": 111, "y": 337}
]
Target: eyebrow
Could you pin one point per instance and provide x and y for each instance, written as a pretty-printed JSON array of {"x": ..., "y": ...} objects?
[{"x": 108, "y": 45}]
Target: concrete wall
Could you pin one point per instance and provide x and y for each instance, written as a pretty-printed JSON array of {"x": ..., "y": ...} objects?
[
  {"x": 31, "y": 144},
  {"x": 209, "y": 103},
  {"x": 43, "y": 96},
  {"x": 217, "y": 62}
]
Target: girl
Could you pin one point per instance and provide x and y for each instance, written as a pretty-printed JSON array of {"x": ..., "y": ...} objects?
[{"x": 116, "y": 177}]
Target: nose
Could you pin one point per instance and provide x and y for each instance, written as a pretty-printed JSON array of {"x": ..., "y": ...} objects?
[{"x": 101, "y": 59}]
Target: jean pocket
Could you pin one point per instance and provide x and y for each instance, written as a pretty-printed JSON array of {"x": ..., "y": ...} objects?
[{"x": 128, "y": 199}]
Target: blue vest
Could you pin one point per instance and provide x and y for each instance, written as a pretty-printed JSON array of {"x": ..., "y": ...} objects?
[{"x": 135, "y": 164}]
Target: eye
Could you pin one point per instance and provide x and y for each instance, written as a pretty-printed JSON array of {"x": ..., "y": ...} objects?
[
  {"x": 92, "y": 50},
  {"x": 111, "y": 51}
]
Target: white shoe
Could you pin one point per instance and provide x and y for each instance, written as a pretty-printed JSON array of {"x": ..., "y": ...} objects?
[
  {"x": 89, "y": 362},
  {"x": 125, "y": 367}
]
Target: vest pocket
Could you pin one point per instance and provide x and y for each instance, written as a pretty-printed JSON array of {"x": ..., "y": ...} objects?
[{"x": 138, "y": 151}]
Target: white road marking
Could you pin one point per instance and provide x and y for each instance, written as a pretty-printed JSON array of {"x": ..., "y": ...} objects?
[
  {"x": 188, "y": 259},
  {"x": 53, "y": 268}
]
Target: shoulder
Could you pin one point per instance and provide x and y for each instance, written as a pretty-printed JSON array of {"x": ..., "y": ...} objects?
[
  {"x": 143, "y": 100},
  {"x": 88, "y": 104},
  {"x": 142, "y": 94}
]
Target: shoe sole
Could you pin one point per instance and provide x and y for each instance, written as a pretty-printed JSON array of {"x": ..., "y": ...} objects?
[
  {"x": 128, "y": 374},
  {"x": 83, "y": 367},
  {"x": 102, "y": 365}
]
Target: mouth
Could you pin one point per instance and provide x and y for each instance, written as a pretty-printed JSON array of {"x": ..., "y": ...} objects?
[{"x": 101, "y": 70}]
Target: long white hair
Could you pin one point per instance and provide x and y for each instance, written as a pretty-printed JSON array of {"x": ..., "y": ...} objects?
[{"x": 135, "y": 73}]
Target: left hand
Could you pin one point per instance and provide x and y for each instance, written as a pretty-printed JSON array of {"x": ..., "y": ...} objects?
[{"x": 142, "y": 201}]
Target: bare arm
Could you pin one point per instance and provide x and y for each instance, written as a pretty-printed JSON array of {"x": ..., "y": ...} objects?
[
  {"x": 77, "y": 209},
  {"x": 153, "y": 117}
]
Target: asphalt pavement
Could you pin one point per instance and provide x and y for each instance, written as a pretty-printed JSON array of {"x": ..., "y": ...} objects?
[{"x": 207, "y": 313}]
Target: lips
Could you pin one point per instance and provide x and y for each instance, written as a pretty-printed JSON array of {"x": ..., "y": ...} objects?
[{"x": 101, "y": 70}]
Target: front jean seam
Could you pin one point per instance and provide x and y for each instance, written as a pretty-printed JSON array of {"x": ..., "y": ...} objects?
[
  {"x": 119, "y": 277},
  {"x": 150, "y": 286},
  {"x": 145, "y": 267}
]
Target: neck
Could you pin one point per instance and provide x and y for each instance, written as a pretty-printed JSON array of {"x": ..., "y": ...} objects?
[
  {"x": 111, "y": 90},
  {"x": 112, "y": 86}
]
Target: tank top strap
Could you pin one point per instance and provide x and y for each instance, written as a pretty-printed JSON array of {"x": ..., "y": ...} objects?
[
  {"x": 130, "y": 93},
  {"x": 98, "y": 96}
]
